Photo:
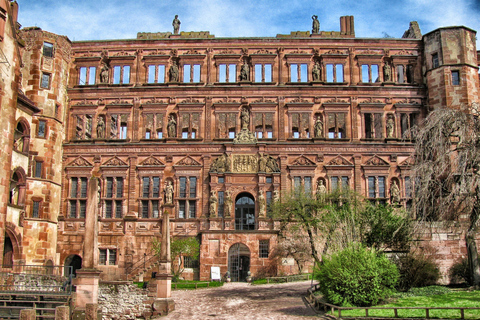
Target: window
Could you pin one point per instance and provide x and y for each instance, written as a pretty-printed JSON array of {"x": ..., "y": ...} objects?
[
  {"x": 87, "y": 75},
  {"x": 334, "y": 72},
  {"x": 376, "y": 187},
  {"x": 370, "y": 73},
  {"x": 150, "y": 199},
  {"x": 190, "y": 125},
  {"x": 226, "y": 123},
  {"x": 407, "y": 121},
  {"x": 298, "y": 73},
  {"x": 78, "y": 197},
  {"x": 400, "y": 74},
  {"x": 38, "y": 169},
  {"x": 263, "y": 123},
  {"x": 187, "y": 197},
  {"x": 113, "y": 201},
  {"x": 264, "y": 248},
  {"x": 45, "y": 81},
  {"x": 227, "y": 73},
  {"x": 301, "y": 183},
  {"x": 300, "y": 125},
  {"x": 435, "y": 61},
  {"x": 221, "y": 203},
  {"x": 156, "y": 73},
  {"x": 221, "y": 180},
  {"x": 118, "y": 126},
  {"x": 107, "y": 257},
  {"x": 83, "y": 129},
  {"x": 263, "y": 72},
  {"x": 373, "y": 125},
  {"x": 191, "y": 74},
  {"x": 189, "y": 262},
  {"x": 21, "y": 137},
  {"x": 456, "y": 78},
  {"x": 36, "y": 209},
  {"x": 337, "y": 183},
  {"x": 121, "y": 74},
  {"x": 48, "y": 49},
  {"x": 153, "y": 123},
  {"x": 337, "y": 125},
  {"x": 42, "y": 129},
  {"x": 17, "y": 188},
  {"x": 269, "y": 201}
]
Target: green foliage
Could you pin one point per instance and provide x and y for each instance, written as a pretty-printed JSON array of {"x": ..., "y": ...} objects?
[
  {"x": 425, "y": 291},
  {"x": 179, "y": 247},
  {"x": 460, "y": 272},
  {"x": 356, "y": 276},
  {"x": 416, "y": 271}
]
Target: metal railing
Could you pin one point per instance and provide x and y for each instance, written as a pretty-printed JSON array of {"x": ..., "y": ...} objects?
[
  {"x": 36, "y": 278},
  {"x": 141, "y": 264}
]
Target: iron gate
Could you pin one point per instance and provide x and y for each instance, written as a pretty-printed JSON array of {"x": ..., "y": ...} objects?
[{"x": 238, "y": 262}]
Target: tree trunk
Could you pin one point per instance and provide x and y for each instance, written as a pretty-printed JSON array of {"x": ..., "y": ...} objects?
[{"x": 473, "y": 265}]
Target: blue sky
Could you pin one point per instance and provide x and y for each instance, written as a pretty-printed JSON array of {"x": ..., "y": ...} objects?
[{"x": 122, "y": 19}]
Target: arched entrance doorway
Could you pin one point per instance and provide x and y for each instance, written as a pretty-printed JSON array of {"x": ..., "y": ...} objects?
[
  {"x": 7, "y": 252},
  {"x": 244, "y": 212},
  {"x": 238, "y": 262},
  {"x": 73, "y": 261}
]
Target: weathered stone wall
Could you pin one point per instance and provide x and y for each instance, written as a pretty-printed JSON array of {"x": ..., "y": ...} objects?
[{"x": 122, "y": 301}]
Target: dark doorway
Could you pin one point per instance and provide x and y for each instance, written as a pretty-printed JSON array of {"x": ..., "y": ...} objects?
[
  {"x": 73, "y": 261},
  {"x": 245, "y": 212},
  {"x": 7, "y": 253},
  {"x": 238, "y": 262}
]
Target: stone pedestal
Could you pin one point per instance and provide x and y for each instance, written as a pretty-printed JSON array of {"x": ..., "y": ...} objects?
[
  {"x": 86, "y": 283},
  {"x": 163, "y": 306}
]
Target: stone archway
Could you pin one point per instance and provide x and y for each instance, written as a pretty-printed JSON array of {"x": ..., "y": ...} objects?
[
  {"x": 244, "y": 212},
  {"x": 7, "y": 252},
  {"x": 73, "y": 261},
  {"x": 238, "y": 262}
]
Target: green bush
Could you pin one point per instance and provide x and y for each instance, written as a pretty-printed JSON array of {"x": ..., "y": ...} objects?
[
  {"x": 356, "y": 276},
  {"x": 416, "y": 271},
  {"x": 460, "y": 272}
]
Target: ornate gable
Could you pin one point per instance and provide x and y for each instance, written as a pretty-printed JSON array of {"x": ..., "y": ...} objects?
[
  {"x": 339, "y": 161},
  {"x": 188, "y": 161},
  {"x": 114, "y": 162},
  {"x": 152, "y": 161},
  {"x": 303, "y": 161},
  {"x": 410, "y": 161},
  {"x": 80, "y": 162},
  {"x": 376, "y": 161}
]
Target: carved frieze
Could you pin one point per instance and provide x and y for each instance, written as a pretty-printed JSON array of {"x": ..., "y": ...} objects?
[
  {"x": 188, "y": 161},
  {"x": 303, "y": 161},
  {"x": 114, "y": 162},
  {"x": 376, "y": 161},
  {"x": 80, "y": 162},
  {"x": 339, "y": 161},
  {"x": 152, "y": 161}
]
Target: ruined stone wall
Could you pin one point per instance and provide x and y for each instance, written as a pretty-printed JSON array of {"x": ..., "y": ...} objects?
[{"x": 122, "y": 301}]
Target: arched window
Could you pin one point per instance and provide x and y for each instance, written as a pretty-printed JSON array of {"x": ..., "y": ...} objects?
[
  {"x": 21, "y": 137},
  {"x": 17, "y": 188},
  {"x": 245, "y": 212}
]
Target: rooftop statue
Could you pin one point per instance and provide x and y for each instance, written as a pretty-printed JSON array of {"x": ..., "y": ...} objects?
[
  {"x": 315, "y": 25},
  {"x": 176, "y": 25}
]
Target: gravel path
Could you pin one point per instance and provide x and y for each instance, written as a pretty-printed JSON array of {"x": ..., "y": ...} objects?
[{"x": 243, "y": 301}]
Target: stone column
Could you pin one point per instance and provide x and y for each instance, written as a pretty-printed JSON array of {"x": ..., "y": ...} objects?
[
  {"x": 88, "y": 277},
  {"x": 27, "y": 314},
  {"x": 91, "y": 310},
  {"x": 62, "y": 313}
]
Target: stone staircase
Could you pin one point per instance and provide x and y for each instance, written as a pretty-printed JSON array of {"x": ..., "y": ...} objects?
[
  {"x": 144, "y": 271},
  {"x": 43, "y": 302}
]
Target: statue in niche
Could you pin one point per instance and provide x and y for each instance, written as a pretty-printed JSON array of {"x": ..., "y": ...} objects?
[
  {"x": 262, "y": 163},
  {"x": 14, "y": 197},
  {"x": 387, "y": 72},
  {"x": 176, "y": 24},
  {"x": 316, "y": 72},
  {"x": 213, "y": 204},
  {"x": 390, "y": 127},
  {"x": 104, "y": 74},
  {"x": 227, "y": 204},
  {"x": 100, "y": 128},
  {"x": 321, "y": 190},
  {"x": 276, "y": 196},
  {"x": 21, "y": 218},
  {"x": 245, "y": 117},
  {"x": 315, "y": 25},
  {"x": 261, "y": 203},
  {"x": 172, "y": 127},
  {"x": 318, "y": 128},
  {"x": 244, "y": 72},
  {"x": 394, "y": 193},
  {"x": 169, "y": 193},
  {"x": 272, "y": 165},
  {"x": 173, "y": 71}
]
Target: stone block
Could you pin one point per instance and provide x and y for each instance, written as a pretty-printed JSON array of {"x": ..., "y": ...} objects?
[{"x": 163, "y": 306}]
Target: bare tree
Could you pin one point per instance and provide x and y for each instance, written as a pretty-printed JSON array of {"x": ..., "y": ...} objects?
[{"x": 447, "y": 173}]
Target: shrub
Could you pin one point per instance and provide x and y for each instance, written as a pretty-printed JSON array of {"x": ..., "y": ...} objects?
[
  {"x": 460, "y": 272},
  {"x": 356, "y": 276},
  {"x": 416, "y": 271}
]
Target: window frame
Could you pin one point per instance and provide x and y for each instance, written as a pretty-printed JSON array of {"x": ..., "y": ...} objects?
[{"x": 46, "y": 76}]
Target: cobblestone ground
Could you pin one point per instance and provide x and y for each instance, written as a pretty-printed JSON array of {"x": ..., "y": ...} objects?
[{"x": 243, "y": 301}]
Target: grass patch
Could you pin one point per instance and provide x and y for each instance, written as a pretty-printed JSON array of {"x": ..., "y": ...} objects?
[
  {"x": 189, "y": 285},
  {"x": 434, "y": 296},
  {"x": 294, "y": 278}
]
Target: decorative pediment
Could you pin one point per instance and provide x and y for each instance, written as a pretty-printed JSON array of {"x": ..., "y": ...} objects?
[
  {"x": 191, "y": 100},
  {"x": 339, "y": 161},
  {"x": 155, "y": 101},
  {"x": 376, "y": 161},
  {"x": 80, "y": 162},
  {"x": 152, "y": 161},
  {"x": 114, "y": 162},
  {"x": 188, "y": 161},
  {"x": 410, "y": 161},
  {"x": 303, "y": 161}
]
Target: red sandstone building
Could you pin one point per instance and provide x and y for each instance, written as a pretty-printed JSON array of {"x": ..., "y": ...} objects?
[{"x": 213, "y": 128}]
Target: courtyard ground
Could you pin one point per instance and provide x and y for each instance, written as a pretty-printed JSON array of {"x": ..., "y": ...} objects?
[{"x": 240, "y": 300}]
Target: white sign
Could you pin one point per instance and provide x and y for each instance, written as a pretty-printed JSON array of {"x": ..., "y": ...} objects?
[
  {"x": 288, "y": 262},
  {"x": 215, "y": 273}
]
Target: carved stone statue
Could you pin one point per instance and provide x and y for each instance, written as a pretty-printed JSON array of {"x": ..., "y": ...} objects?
[
  {"x": 276, "y": 196},
  {"x": 14, "y": 198},
  {"x": 316, "y": 73},
  {"x": 315, "y": 25},
  {"x": 100, "y": 128},
  {"x": 272, "y": 165},
  {"x": 104, "y": 74},
  {"x": 261, "y": 204},
  {"x": 173, "y": 71},
  {"x": 169, "y": 193},
  {"x": 172, "y": 127},
  {"x": 390, "y": 127},
  {"x": 262, "y": 163},
  {"x": 213, "y": 204},
  {"x": 244, "y": 72},
  {"x": 176, "y": 25},
  {"x": 245, "y": 117},
  {"x": 318, "y": 128},
  {"x": 394, "y": 193},
  {"x": 387, "y": 72},
  {"x": 227, "y": 204},
  {"x": 321, "y": 190}
]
